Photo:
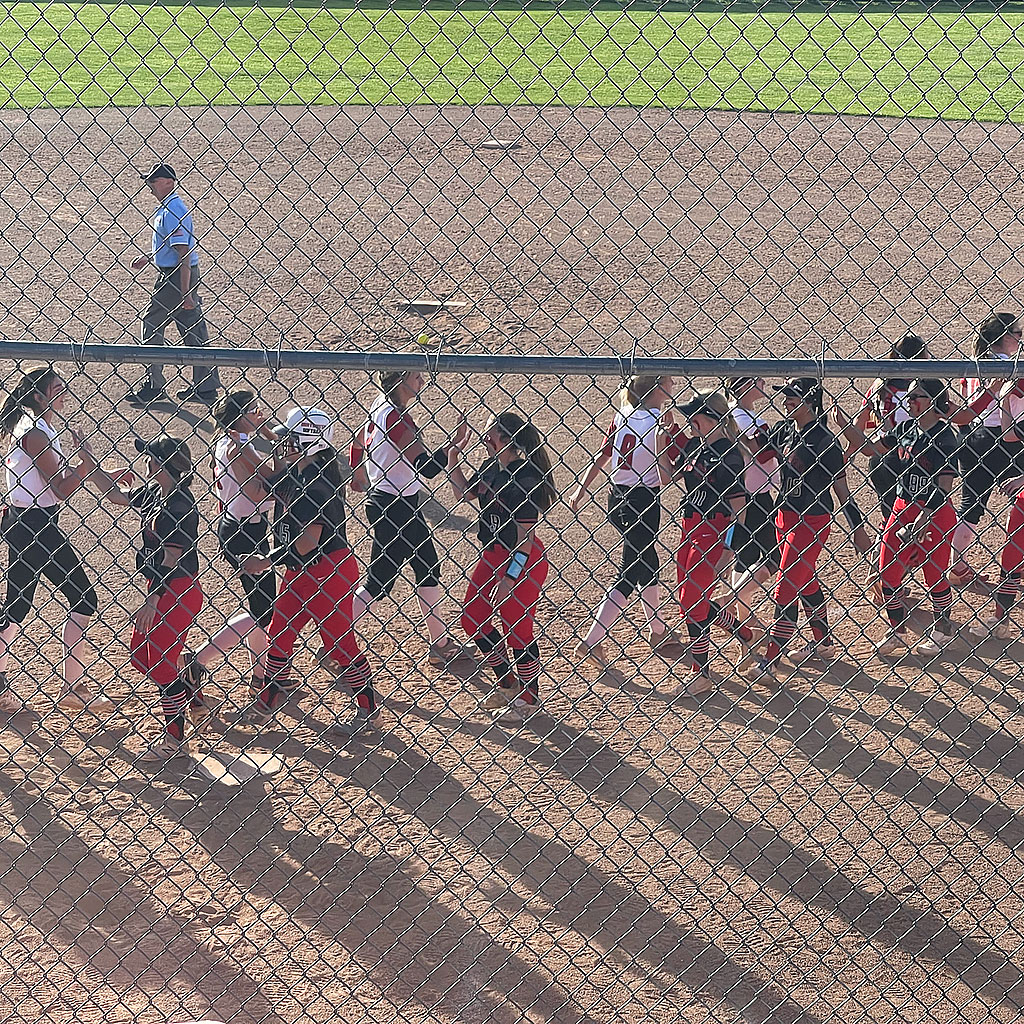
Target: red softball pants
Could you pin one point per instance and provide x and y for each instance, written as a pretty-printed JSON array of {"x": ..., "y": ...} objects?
[
  {"x": 320, "y": 593},
  {"x": 700, "y": 547},
  {"x": 801, "y": 539},
  {"x": 518, "y": 611},
  {"x": 932, "y": 551},
  {"x": 1012, "y": 558},
  {"x": 155, "y": 653}
]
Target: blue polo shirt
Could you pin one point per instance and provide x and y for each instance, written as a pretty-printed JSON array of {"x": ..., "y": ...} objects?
[{"x": 172, "y": 225}]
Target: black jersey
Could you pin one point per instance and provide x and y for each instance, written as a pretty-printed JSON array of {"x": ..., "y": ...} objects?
[
  {"x": 924, "y": 456},
  {"x": 304, "y": 498},
  {"x": 507, "y": 495},
  {"x": 712, "y": 474},
  {"x": 168, "y": 520},
  {"x": 811, "y": 460}
]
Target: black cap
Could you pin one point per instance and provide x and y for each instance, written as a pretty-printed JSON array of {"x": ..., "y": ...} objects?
[
  {"x": 159, "y": 171},
  {"x": 807, "y": 389},
  {"x": 698, "y": 406},
  {"x": 162, "y": 448}
]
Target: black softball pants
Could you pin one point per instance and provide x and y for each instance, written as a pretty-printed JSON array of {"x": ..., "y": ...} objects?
[
  {"x": 985, "y": 460},
  {"x": 37, "y": 547},
  {"x": 883, "y": 473},
  {"x": 400, "y": 535},
  {"x": 636, "y": 513}
]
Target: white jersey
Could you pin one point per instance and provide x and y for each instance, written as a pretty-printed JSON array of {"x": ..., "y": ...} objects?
[
  {"x": 633, "y": 446},
  {"x": 387, "y": 468},
  {"x": 26, "y": 486},
  {"x": 972, "y": 387},
  {"x": 234, "y": 503},
  {"x": 762, "y": 475}
]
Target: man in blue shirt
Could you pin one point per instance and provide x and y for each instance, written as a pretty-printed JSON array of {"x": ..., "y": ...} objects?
[{"x": 175, "y": 294}]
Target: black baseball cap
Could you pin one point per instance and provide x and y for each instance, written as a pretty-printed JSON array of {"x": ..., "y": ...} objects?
[
  {"x": 159, "y": 171},
  {"x": 698, "y": 406},
  {"x": 807, "y": 389},
  {"x": 162, "y": 448}
]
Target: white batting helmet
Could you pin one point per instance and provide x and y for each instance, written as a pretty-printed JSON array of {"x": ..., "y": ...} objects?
[{"x": 310, "y": 427}]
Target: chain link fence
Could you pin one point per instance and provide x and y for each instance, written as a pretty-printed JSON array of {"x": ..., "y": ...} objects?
[{"x": 612, "y": 798}]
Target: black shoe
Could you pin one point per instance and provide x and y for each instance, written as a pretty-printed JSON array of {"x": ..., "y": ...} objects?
[
  {"x": 145, "y": 394},
  {"x": 191, "y": 395},
  {"x": 362, "y": 721}
]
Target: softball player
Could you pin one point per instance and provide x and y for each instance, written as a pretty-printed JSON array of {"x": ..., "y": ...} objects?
[
  {"x": 922, "y": 521},
  {"x": 240, "y": 480},
  {"x": 712, "y": 469},
  {"x": 39, "y": 481},
  {"x": 514, "y": 488},
  {"x": 168, "y": 558},
  {"x": 1011, "y": 562},
  {"x": 812, "y": 468},
  {"x": 635, "y": 449},
  {"x": 754, "y": 541},
  {"x": 985, "y": 457},
  {"x": 320, "y": 569},
  {"x": 395, "y": 464}
]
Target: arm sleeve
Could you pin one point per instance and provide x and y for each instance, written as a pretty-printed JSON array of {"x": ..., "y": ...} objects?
[
  {"x": 833, "y": 460},
  {"x": 137, "y": 496},
  {"x": 733, "y": 471},
  {"x": 177, "y": 525},
  {"x": 520, "y": 497}
]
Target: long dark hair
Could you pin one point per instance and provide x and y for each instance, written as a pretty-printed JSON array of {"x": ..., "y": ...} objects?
[
  {"x": 526, "y": 438},
  {"x": 991, "y": 332},
  {"x": 29, "y": 395},
  {"x": 328, "y": 467}
]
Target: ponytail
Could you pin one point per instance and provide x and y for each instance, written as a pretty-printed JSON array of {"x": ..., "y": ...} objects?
[
  {"x": 27, "y": 396},
  {"x": 389, "y": 381},
  {"x": 526, "y": 438},
  {"x": 328, "y": 466},
  {"x": 637, "y": 388}
]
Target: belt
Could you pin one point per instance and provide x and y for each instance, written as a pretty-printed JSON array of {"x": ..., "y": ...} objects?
[{"x": 171, "y": 270}]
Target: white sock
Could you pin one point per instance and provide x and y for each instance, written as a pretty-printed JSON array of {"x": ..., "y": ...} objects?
[
  {"x": 7, "y": 638},
  {"x": 256, "y": 641},
  {"x": 650, "y": 598},
  {"x": 234, "y": 632},
  {"x": 74, "y": 632},
  {"x": 430, "y": 599},
  {"x": 361, "y": 601},
  {"x": 963, "y": 537},
  {"x": 608, "y": 611}
]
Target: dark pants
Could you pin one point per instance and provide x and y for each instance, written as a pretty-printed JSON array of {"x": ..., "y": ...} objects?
[
  {"x": 636, "y": 513},
  {"x": 400, "y": 535},
  {"x": 165, "y": 306},
  {"x": 985, "y": 460}
]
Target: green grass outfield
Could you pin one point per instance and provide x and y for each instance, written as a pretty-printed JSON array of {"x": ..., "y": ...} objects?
[{"x": 912, "y": 59}]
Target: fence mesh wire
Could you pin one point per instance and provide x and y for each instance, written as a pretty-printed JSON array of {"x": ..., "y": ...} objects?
[{"x": 837, "y": 837}]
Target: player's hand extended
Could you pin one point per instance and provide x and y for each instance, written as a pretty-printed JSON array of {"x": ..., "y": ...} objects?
[
  {"x": 146, "y": 615},
  {"x": 576, "y": 501},
  {"x": 461, "y": 437}
]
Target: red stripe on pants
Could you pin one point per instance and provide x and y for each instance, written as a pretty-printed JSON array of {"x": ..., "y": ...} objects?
[
  {"x": 700, "y": 547},
  {"x": 519, "y": 610},
  {"x": 932, "y": 551},
  {"x": 801, "y": 539},
  {"x": 1012, "y": 557},
  {"x": 156, "y": 652},
  {"x": 320, "y": 593}
]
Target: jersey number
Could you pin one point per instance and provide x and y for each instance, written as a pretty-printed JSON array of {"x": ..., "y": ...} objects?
[{"x": 626, "y": 449}]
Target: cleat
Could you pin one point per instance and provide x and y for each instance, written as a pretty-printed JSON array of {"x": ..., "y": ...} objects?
[
  {"x": 667, "y": 638},
  {"x": 192, "y": 671},
  {"x": 199, "y": 714},
  {"x": 257, "y": 714},
  {"x": 697, "y": 686},
  {"x": 78, "y": 698},
  {"x": 819, "y": 653},
  {"x": 11, "y": 703},
  {"x": 145, "y": 395},
  {"x": 760, "y": 668},
  {"x": 966, "y": 577},
  {"x": 443, "y": 654},
  {"x": 359, "y": 722},
  {"x": 519, "y": 710},
  {"x": 593, "y": 653},
  {"x": 931, "y": 643},
  {"x": 164, "y": 749},
  {"x": 895, "y": 643},
  {"x": 994, "y": 627},
  {"x": 498, "y": 699}
]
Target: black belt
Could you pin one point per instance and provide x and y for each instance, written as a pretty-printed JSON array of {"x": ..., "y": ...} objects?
[{"x": 171, "y": 270}]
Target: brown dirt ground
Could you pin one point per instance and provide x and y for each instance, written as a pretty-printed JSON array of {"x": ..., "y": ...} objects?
[{"x": 845, "y": 846}]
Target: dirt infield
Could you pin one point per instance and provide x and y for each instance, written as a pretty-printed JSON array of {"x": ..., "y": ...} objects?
[{"x": 846, "y": 846}]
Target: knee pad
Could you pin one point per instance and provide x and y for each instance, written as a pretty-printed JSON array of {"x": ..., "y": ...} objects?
[{"x": 87, "y": 604}]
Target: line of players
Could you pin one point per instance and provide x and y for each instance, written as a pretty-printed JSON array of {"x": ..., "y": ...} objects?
[{"x": 729, "y": 462}]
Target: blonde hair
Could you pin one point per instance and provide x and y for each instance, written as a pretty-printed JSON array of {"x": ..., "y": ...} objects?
[
  {"x": 637, "y": 388},
  {"x": 718, "y": 401}
]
